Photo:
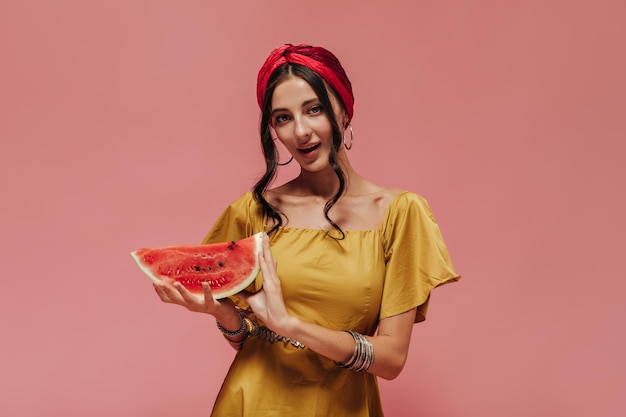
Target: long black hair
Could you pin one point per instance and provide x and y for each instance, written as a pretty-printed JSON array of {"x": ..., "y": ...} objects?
[{"x": 270, "y": 152}]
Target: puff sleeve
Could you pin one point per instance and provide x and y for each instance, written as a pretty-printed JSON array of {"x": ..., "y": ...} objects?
[
  {"x": 416, "y": 257},
  {"x": 241, "y": 219}
]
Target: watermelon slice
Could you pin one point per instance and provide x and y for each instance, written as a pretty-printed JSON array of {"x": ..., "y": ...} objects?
[{"x": 228, "y": 267}]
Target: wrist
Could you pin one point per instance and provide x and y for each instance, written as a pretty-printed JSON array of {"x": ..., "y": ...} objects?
[
  {"x": 231, "y": 334},
  {"x": 237, "y": 336},
  {"x": 291, "y": 327},
  {"x": 228, "y": 317}
]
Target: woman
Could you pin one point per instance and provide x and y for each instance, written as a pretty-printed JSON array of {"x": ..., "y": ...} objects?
[{"x": 347, "y": 266}]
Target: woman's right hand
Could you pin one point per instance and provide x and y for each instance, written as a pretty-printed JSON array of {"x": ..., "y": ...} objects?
[
  {"x": 223, "y": 310},
  {"x": 177, "y": 294}
]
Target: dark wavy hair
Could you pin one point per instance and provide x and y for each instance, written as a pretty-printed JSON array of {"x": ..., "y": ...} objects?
[{"x": 270, "y": 152}]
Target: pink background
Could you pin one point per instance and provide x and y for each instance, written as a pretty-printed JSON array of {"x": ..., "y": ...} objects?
[{"x": 126, "y": 124}]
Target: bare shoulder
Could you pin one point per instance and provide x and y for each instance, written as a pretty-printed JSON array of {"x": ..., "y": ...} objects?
[
  {"x": 379, "y": 197},
  {"x": 366, "y": 210},
  {"x": 370, "y": 193}
]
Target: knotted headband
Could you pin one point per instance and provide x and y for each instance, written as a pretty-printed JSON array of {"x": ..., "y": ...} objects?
[{"x": 318, "y": 59}]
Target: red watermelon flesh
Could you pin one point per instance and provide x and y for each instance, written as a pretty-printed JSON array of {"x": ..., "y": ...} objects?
[{"x": 228, "y": 267}]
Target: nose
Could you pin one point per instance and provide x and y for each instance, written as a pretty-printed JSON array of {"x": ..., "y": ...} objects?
[{"x": 301, "y": 128}]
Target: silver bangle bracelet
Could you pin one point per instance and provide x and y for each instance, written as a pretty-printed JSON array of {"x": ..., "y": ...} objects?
[
  {"x": 237, "y": 332},
  {"x": 363, "y": 356}
]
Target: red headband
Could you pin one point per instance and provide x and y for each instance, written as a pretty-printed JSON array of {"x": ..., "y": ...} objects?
[{"x": 290, "y": 54}]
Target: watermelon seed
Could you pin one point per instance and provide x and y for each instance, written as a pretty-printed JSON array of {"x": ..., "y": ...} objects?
[
  {"x": 220, "y": 263},
  {"x": 197, "y": 268},
  {"x": 217, "y": 283}
]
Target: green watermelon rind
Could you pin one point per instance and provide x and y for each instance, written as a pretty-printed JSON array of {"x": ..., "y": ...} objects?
[{"x": 217, "y": 294}]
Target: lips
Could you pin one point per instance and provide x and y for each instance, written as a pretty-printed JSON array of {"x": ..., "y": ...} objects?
[{"x": 310, "y": 148}]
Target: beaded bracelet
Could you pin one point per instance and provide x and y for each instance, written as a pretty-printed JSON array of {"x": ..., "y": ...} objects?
[
  {"x": 270, "y": 335},
  {"x": 237, "y": 332}
]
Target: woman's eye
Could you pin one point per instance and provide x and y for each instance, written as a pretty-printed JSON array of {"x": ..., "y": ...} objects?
[
  {"x": 315, "y": 109},
  {"x": 281, "y": 118}
]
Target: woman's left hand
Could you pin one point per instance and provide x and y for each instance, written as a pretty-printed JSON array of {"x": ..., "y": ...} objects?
[{"x": 268, "y": 303}]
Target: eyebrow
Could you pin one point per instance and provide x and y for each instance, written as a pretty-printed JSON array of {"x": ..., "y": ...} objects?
[{"x": 304, "y": 104}]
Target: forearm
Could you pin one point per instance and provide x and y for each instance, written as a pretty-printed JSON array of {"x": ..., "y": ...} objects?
[{"x": 390, "y": 343}]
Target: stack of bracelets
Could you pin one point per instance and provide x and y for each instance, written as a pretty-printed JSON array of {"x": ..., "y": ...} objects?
[
  {"x": 361, "y": 359},
  {"x": 363, "y": 356}
]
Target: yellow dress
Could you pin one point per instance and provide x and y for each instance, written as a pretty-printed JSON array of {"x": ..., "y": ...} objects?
[{"x": 348, "y": 284}]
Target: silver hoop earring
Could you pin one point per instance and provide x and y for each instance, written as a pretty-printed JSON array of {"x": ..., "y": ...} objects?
[
  {"x": 348, "y": 147},
  {"x": 284, "y": 163}
]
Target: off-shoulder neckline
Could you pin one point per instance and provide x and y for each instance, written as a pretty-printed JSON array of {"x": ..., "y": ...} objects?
[{"x": 388, "y": 210}]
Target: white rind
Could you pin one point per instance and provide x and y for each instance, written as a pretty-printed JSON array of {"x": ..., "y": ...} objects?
[{"x": 145, "y": 270}]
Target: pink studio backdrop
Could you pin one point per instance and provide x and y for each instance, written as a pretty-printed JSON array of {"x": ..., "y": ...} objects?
[{"x": 126, "y": 124}]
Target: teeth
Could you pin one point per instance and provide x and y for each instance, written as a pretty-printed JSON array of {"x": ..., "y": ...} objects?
[{"x": 306, "y": 150}]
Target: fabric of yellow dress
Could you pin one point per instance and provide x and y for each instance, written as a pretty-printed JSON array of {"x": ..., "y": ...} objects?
[{"x": 348, "y": 284}]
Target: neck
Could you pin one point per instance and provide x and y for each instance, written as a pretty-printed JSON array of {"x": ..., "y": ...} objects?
[{"x": 325, "y": 184}]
